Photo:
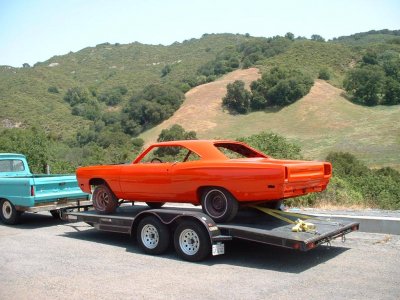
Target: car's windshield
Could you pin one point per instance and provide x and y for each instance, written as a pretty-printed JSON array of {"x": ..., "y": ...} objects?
[{"x": 232, "y": 151}]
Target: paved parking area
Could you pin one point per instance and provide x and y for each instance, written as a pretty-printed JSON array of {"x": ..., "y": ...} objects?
[{"x": 48, "y": 259}]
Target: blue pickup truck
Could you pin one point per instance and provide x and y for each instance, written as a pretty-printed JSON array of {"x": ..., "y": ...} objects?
[{"x": 21, "y": 191}]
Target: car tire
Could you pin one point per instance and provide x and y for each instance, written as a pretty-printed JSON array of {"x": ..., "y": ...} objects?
[
  {"x": 219, "y": 204},
  {"x": 104, "y": 200},
  {"x": 8, "y": 214},
  {"x": 153, "y": 236},
  {"x": 192, "y": 241},
  {"x": 155, "y": 205}
]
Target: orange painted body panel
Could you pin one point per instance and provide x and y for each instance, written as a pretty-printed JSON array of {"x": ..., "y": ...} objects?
[{"x": 257, "y": 178}]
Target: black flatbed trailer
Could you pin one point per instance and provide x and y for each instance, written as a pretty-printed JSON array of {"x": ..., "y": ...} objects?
[{"x": 195, "y": 235}]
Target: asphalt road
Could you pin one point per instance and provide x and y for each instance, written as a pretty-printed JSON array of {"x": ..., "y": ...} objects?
[{"x": 49, "y": 259}]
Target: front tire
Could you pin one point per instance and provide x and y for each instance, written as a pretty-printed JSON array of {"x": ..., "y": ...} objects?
[
  {"x": 191, "y": 241},
  {"x": 153, "y": 236},
  {"x": 219, "y": 204},
  {"x": 8, "y": 214},
  {"x": 104, "y": 200}
]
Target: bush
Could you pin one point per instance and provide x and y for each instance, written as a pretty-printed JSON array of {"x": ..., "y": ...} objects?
[
  {"x": 237, "y": 98},
  {"x": 53, "y": 90},
  {"x": 324, "y": 74}
]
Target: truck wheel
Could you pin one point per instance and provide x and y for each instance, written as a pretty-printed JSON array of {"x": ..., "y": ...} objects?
[
  {"x": 104, "y": 200},
  {"x": 153, "y": 236},
  {"x": 155, "y": 205},
  {"x": 219, "y": 204},
  {"x": 8, "y": 214},
  {"x": 191, "y": 241}
]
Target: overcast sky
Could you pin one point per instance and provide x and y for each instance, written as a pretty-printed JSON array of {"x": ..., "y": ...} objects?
[{"x": 35, "y": 30}]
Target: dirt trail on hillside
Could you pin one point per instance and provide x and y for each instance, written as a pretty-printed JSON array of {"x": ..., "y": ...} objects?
[{"x": 203, "y": 104}]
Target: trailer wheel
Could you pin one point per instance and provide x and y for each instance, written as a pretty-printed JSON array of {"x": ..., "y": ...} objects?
[
  {"x": 8, "y": 214},
  {"x": 55, "y": 214},
  {"x": 219, "y": 204},
  {"x": 153, "y": 236},
  {"x": 191, "y": 241},
  {"x": 155, "y": 205},
  {"x": 104, "y": 200}
]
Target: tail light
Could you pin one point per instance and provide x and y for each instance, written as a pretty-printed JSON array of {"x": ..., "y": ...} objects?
[
  {"x": 327, "y": 169},
  {"x": 32, "y": 190}
]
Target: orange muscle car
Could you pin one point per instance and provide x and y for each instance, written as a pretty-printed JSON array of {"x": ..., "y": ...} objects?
[{"x": 219, "y": 175}]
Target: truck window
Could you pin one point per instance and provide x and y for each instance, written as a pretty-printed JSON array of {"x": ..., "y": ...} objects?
[{"x": 11, "y": 165}]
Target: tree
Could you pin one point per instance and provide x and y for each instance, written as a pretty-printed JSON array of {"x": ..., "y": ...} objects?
[
  {"x": 365, "y": 84},
  {"x": 392, "y": 92},
  {"x": 289, "y": 36},
  {"x": 237, "y": 97},
  {"x": 26, "y": 65},
  {"x": 166, "y": 70},
  {"x": 176, "y": 133},
  {"x": 317, "y": 38}
]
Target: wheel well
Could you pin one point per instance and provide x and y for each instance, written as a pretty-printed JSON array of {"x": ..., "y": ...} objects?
[
  {"x": 97, "y": 181},
  {"x": 201, "y": 190}
]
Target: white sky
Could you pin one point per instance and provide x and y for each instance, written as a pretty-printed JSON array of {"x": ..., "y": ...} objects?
[{"x": 35, "y": 30}]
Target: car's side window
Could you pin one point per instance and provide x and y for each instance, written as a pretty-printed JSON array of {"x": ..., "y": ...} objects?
[{"x": 169, "y": 154}]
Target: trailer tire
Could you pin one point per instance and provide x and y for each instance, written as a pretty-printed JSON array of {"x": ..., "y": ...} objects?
[
  {"x": 104, "y": 200},
  {"x": 8, "y": 214},
  {"x": 153, "y": 236},
  {"x": 155, "y": 205},
  {"x": 192, "y": 241},
  {"x": 55, "y": 213},
  {"x": 219, "y": 204}
]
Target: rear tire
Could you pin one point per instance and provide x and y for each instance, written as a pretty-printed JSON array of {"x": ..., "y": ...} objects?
[
  {"x": 155, "y": 205},
  {"x": 192, "y": 241},
  {"x": 219, "y": 204},
  {"x": 104, "y": 200},
  {"x": 153, "y": 236},
  {"x": 8, "y": 214}
]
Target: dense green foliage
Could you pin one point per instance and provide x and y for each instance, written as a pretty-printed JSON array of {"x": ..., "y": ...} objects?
[
  {"x": 274, "y": 145},
  {"x": 154, "y": 104},
  {"x": 376, "y": 79},
  {"x": 176, "y": 133},
  {"x": 277, "y": 88},
  {"x": 237, "y": 98}
]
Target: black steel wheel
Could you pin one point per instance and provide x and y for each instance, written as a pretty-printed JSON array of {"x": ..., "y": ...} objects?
[
  {"x": 152, "y": 235},
  {"x": 192, "y": 241},
  {"x": 219, "y": 204},
  {"x": 155, "y": 205},
  {"x": 8, "y": 214},
  {"x": 104, "y": 200}
]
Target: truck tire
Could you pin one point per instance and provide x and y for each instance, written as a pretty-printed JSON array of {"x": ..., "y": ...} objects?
[
  {"x": 104, "y": 200},
  {"x": 153, "y": 236},
  {"x": 8, "y": 214},
  {"x": 155, "y": 205},
  {"x": 191, "y": 241},
  {"x": 55, "y": 213},
  {"x": 219, "y": 204}
]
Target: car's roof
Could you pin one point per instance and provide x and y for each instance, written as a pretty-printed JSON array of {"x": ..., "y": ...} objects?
[{"x": 205, "y": 148}]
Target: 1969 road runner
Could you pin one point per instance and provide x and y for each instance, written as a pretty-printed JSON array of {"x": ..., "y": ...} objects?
[{"x": 217, "y": 174}]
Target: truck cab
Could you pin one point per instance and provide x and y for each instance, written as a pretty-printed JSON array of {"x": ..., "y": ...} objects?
[{"x": 21, "y": 191}]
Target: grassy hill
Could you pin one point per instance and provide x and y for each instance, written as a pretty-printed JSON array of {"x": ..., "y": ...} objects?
[{"x": 320, "y": 122}]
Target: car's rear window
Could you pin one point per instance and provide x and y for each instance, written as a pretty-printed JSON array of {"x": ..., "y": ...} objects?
[
  {"x": 233, "y": 151},
  {"x": 11, "y": 165}
]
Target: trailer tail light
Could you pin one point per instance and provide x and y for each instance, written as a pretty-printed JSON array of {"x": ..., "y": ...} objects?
[
  {"x": 327, "y": 169},
  {"x": 310, "y": 246},
  {"x": 296, "y": 246},
  {"x": 32, "y": 190}
]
